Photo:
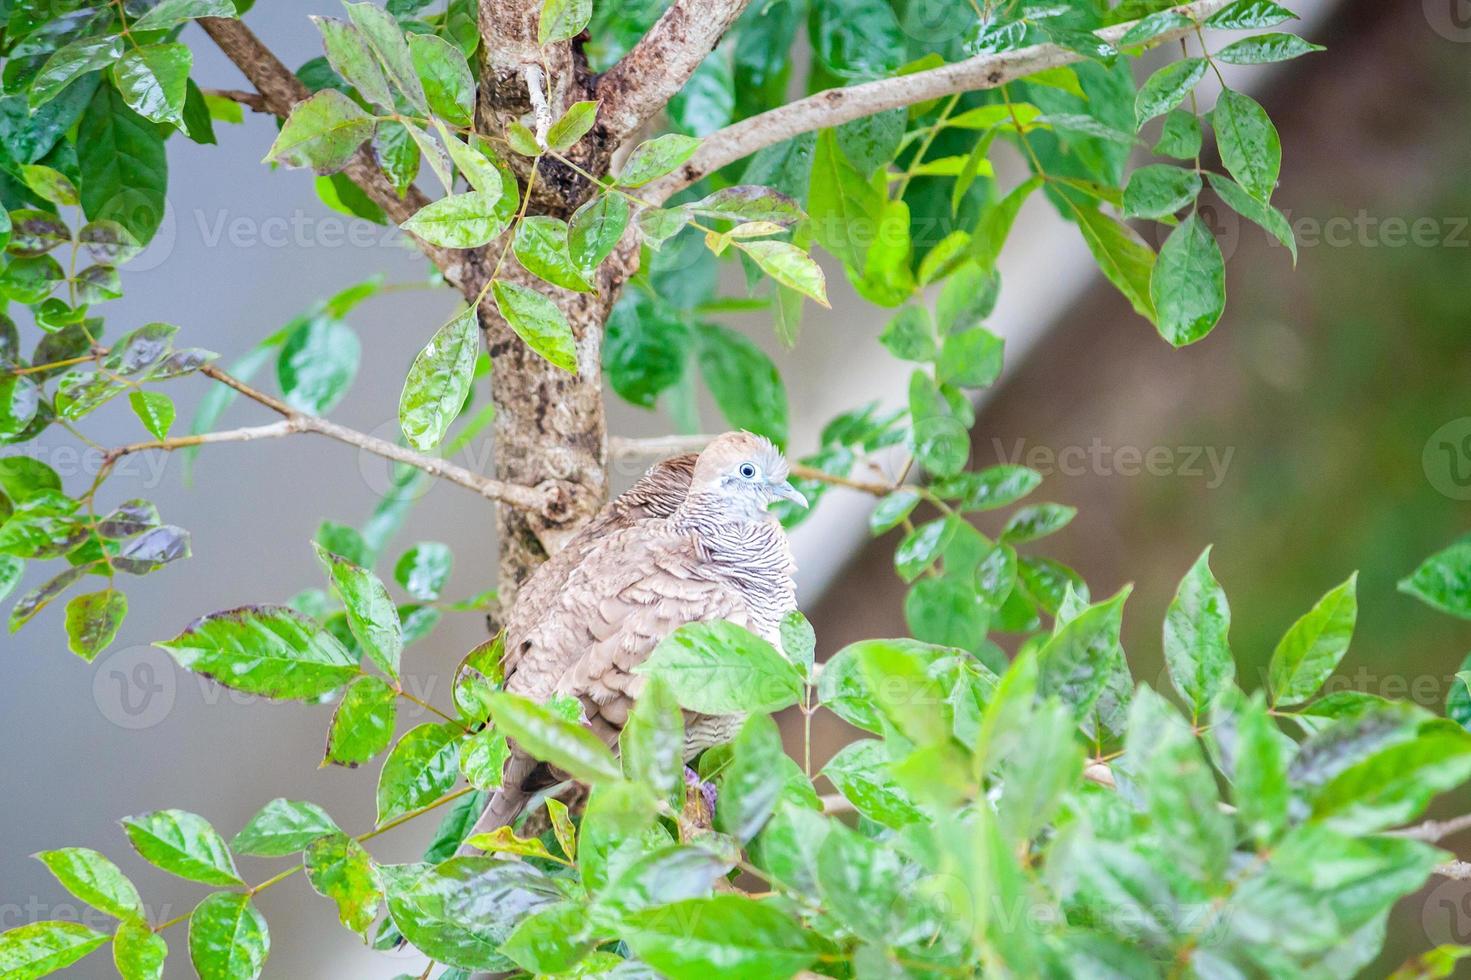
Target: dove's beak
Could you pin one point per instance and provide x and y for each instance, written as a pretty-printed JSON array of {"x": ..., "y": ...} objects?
[{"x": 786, "y": 491}]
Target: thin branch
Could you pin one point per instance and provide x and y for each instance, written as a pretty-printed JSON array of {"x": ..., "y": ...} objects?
[
  {"x": 622, "y": 447},
  {"x": 253, "y": 101},
  {"x": 1460, "y": 870},
  {"x": 642, "y": 83},
  {"x": 540, "y": 499},
  {"x": 1433, "y": 830},
  {"x": 840, "y": 105},
  {"x": 280, "y": 90}
]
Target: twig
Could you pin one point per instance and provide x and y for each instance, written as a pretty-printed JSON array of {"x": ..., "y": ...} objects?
[
  {"x": 251, "y": 100},
  {"x": 840, "y": 105},
  {"x": 622, "y": 447},
  {"x": 535, "y": 87},
  {"x": 642, "y": 83},
  {"x": 540, "y": 499},
  {"x": 1460, "y": 870},
  {"x": 1433, "y": 830}
]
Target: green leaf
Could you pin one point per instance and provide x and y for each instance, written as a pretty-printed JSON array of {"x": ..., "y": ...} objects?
[
  {"x": 322, "y": 133},
  {"x": 995, "y": 486},
  {"x": 371, "y": 613},
  {"x": 170, "y": 13},
  {"x": 482, "y": 172},
  {"x": 1262, "y": 791},
  {"x": 1150, "y": 27},
  {"x": 228, "y": 939},
  {"x": 726, "y": 935},
  {"x": 443, "y": 910},
  {"x": 744, "y": 381},
  {"x": 562, "y": 20},
  {"x": 1037, "y": 521},
  {"x": 92, "y": 621},
  {"x": 477, "y": 675},
  {"x": 748, "y": 790},
  {"x": 153, "y": 80},
  {"x": 138, "y": 952},
  {"x": 1159, "y": 191},
  {"x": 651, "y": 744},
  {"x": 41, "y": 948},
  {"x": 550, "y": 737},
  {"x": 891, "y": 511},
  {"x": 466, "y": 220},
  {"x": 268, "y": 650},
  {"x": 537, "y": 321},
  {"x": 349, "y": 55},
  {"x": 941, "y": 441},
  {"x": 970, "y": 358},
  {"x": 95, "y": 880},
  {"x": 1166, "y": 88},
  {"x": 439, "y": 382},
  {"x": 70, "y": 62},
  {"x": 1256, "y": 211},
  {"x": 790, "y": 266},
  {"x": 1249, "y": 15},
  {"x": 861, "y": 772},
  {"x": 1312, "y": 648},
  {"x": 996, "y": 222},
  {"x": 448, "y": 83},
  {"x": 656, "y": 157},
  {"x": 522, "y": 140},
  {"x": 718, "y": 668},
  {"x": 1179, "y": 790},
  {"x": 51, "y": 184},
  {"x": 746, "y": 202},
  {"x": 183, "y": 844},
  {"x": 553, "y": 941},
  {"x": 1443, "y": 581},
  {"x": 1250, "y": 147},
  {"x": 595, "y": 229},
  {"x": 317, "y": 364},
  {"x": 424, "y": 569},
  {"x": 340, "y": 869},
  {"x": 1076, "y": 661},
  {"x": 283, "y": 827},
  {"x": 421, "y": 768},
  {"x": 967, "y": 298},
  {"x": 123, "y": 165},
  {"x": 362, "y": 725},
  {"x": 1394, "y": 784},
  {"x": 798, "y": 640},
  {"x": 1121, "y": 255},
  {"x": 382, "y": 33},
  {"x": 483, "y": 759},
  {"x": 1265, "y": 48},
  {"x": 921, "y": 547},
  {"x": 541, "y": 247},
  {"x": 573, "y": 125},
  {"x": 155, "y": 410},
  {"x": 1197, "y": 650},
  {"x": 1188, "y": 285},
  {"x": 1180, "y": 137}
]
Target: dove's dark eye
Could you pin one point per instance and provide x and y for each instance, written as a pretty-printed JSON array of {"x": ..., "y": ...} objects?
[{"x": 748, "y": 471}]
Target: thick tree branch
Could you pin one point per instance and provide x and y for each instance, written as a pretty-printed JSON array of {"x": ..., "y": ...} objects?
[
  {"x": 280, "y": 90},
  {"x": 642, "y": 83},
  {"x": 840, "y": 105}
]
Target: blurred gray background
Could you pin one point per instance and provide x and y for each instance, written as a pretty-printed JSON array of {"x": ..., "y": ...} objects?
[{"x": 1312, "y": 381}]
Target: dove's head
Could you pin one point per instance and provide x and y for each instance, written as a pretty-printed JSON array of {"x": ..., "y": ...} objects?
[{"x": 745, "y": 473}]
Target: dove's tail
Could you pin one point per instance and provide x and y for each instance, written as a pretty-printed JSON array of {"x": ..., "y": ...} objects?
[{"x": 507, "y": 802}]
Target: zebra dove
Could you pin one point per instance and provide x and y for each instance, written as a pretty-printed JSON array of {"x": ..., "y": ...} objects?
[{"x": 718, "y": 555}]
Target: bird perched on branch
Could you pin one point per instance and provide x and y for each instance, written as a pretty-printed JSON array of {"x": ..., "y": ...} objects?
[{"x": 591, "y": 620}]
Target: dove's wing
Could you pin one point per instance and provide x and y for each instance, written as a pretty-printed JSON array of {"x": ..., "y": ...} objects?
[{"x": 633, "y": 589}]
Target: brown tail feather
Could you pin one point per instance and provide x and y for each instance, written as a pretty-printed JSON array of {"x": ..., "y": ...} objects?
[{"x": 507, "y": 802}]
